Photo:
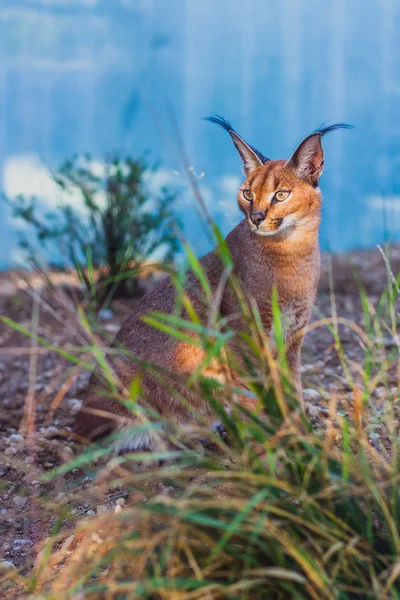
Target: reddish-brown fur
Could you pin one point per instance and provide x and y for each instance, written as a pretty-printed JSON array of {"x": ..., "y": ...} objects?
[{"x": 282, "y": 253}]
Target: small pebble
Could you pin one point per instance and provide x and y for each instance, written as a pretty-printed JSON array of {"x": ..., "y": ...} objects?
[
  {"x": 313, "y": 410},
  {"x": 19, "y": 501},
  {"x": 112, "y": 327},
  {"x": 74, "y": 405},
  {"x": 22, "y": 542},
  {"x": 16, "y": 437},
  {"x": 120, "y": 501},
  {"x": 67, "y": 453},
  {"x": 118, "y": 509},
  {"x": 7, "y": 565},
  {"x": 51, "y": 432},
  {"x": 311, "y": 394},
  {"x": 10, "y": 450},
  {"x": 90, "y": 513},
  {"x": 48, "y": 374}
]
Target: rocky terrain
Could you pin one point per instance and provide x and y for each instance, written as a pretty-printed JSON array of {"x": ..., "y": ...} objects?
[{"x": 41, "y": 391}]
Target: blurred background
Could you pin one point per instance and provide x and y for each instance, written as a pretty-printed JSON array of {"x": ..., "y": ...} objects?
[{"x": 104, "y": 76}]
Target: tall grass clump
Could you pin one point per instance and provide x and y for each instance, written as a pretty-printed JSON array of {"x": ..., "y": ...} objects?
[{"x": 269, "y": 508}]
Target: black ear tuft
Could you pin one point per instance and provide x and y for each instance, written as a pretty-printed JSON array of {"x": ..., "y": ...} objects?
[
  {"x": 218, "y": 120},
  {"x": 308, "y": 160},
  {"x": 221, "y": 122},
  {"x": 324, "y": 129}
]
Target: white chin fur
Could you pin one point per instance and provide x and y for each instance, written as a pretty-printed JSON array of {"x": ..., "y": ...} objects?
[
  {"x": 266, "y": 232},
  {"x": 286, "y": 223}
]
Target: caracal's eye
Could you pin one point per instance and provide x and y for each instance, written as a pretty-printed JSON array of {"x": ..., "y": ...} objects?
[
  {"x": 248, "y": 195},
  {"x": 281, "y": 196}
]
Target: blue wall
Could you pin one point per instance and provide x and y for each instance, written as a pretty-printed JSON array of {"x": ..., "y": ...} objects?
[{"x": 99, "y": 75}]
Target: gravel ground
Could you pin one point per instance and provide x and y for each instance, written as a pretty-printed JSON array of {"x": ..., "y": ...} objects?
[{"x": 40, "y": 395}]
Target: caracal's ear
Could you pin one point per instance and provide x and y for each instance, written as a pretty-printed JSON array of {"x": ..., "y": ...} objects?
[
  {"x": 308, "y": 160},
  {"x": 250, "y": 156}
]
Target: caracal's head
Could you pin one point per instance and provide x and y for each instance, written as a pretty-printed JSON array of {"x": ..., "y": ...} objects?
[{"x": 281, "y": 195}]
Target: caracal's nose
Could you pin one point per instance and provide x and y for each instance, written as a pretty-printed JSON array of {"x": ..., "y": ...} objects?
[{"x": 257, "y": 217}]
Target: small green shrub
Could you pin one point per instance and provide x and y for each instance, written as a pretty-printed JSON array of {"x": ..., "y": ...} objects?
[{"x": 112, "y": 227}]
